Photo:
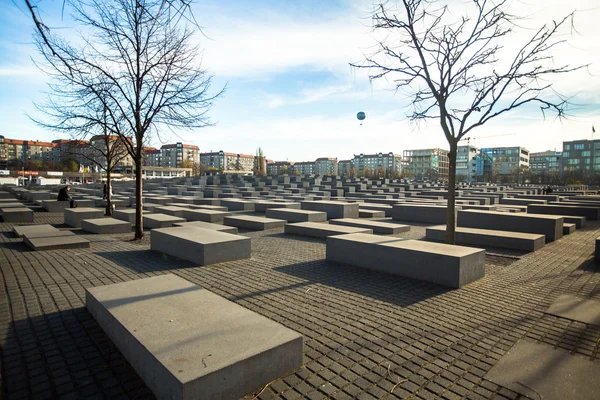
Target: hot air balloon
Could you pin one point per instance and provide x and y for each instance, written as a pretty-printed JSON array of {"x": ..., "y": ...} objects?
[{"x": 361, "y": 116}]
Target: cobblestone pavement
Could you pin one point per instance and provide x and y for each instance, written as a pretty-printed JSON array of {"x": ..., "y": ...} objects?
[{"x": 367, "y": 335}]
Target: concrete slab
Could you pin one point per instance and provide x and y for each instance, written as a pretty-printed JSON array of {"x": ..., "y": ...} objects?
[
  {"x": 127, "y": 214},
  {"x": 74, "y": 216},
  {"x": 489, "y": 238},
  {"x": 362, "y": 213},
  {"x": 56, "y": 242},
  {"x": 377, "y": 226},
  {"x": 292, "y": 215},
  {"x": 253, "y": 222},
  {"x": 200, "y": 246},
  {"x": 57, "y": 233},
  {"x": 539, "y": 371},
  {"x": 448, "y": 265},
  {"x": 188, "y": 343},
  {"x": 569, "y": 228},
  {"x": 263, "y": 206},
  {"x": 576, "y": 308},
  {"x": 16, "y": 214},
  {"x": 420, "y": 213},
  {"x": 105, "y": 225},
  {"x": 322, "y": 230},
  {"x": 334, "y": 209},
  {"x": 205, "y": 215},
  {"x": 21, "y": 230},
  {"x": 207, "y": 225},
  {"x": 171, "y": 210},
  {"x": 155, "y": 221}
]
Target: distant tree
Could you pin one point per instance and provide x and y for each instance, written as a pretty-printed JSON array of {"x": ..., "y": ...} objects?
[
  {"x": 260, "y": 165},
  {"x": 284, "y": 170},
  {"x": 459, "y": 71}
]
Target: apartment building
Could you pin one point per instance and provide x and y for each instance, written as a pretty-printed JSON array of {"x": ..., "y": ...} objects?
[
  {"x": 325, "y": 166},
  {"x": 431, "y": 164},
  {"x": 466, "y": 163},
  {"x": 277, "y": 167},
  {"x": 304, "y": 167},
  {"x": 225, "y": 161},
  {"x": 546, "y": 166},
  {"x": 179, "y": 155},
  {"x": 501, "y": 162}
]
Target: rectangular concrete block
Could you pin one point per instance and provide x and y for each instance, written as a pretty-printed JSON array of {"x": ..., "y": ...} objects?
[
  {"x": 207, "y": 225},
  {"x": 263, "y": 206},
  {"x": 322, "y": 230},
  {"x": 105, "y": 225},
  {"x": 292, "y": 215},
  {"x": 362, "y": 213},
  {"x": 590, "y": 213},
  {"x": 200, "y": 246},
  {"x": 334, "y": 209},
  {"x": 56, "y": 242},
  {"x": 549, "y": 225},
  {"x": 420, "y": 213},
  {"x": 489, "y": 238},
  {"x": 16, "y": 214},
  {"x": 127, "y": 214},
  {"x": 21, "y": 230},
  {"x": 74, "y": 216},
  {"x": 206, "y": 215},
  {"x": 385, "y": 228},
  {"x": 253, "y": 222},
  {"x": 448, "y": 265},
  {"x": 188, "y": 343},
  {"x": 155, "y": 221}
]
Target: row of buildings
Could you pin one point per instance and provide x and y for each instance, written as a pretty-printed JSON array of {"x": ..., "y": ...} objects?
[{"x": 579, "y": 161}]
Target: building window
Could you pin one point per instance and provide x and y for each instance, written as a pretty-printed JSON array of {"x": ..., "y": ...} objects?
[
  {"x": 567, "y": 147},
  {"x": 578, "y": 146}
]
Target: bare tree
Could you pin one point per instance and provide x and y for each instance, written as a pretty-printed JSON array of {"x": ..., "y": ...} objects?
[
  {"x": 138, "y": 62},
  {"x": 457, "y": 70}
]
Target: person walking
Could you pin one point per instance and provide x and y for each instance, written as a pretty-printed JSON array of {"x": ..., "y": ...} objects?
[
  {"x": 104, "y": 191},
  {"x": 63, "y": 195}
]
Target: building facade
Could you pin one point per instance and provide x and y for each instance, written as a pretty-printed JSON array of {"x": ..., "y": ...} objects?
[
  {"x": 325, "y": 166},
  {"x": 280, "y": 167},
  {"x": 429, "y": 164},
  {"x": 382, "y": 164},
  {"x": 506, "y": 163},
  {"x": 224, "y": 161},
  {"x": 304, "y": 168},
  {"x": 179, "y": 155},
  {"x": 581, "y": 160},
  {"x": 546, "y": 167},
  {"x": 3, "y": 156},
  {"x": 466, "y": 164},
  {"x": 346, "y": 168}
]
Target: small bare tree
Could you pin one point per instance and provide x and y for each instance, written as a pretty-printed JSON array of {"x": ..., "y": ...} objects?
[
  {"x": 457, "y": 70},
  {"x": 138, "y": 63}
]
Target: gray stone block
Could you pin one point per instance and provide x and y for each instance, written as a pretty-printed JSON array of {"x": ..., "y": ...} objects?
[
  {"x": 237, "y": 205},
  {"x": 386, "y": 209},
  {"x": 127, "y": 214},
  {"x": 385, "y": 228},
  {"x": 105, "y": 225},
  {"x": 448, "y": 265},
  {"x": 489, "y": 238},
  {"x": 207, "y": 225},
  {"x": 56, "y": 242},
  {"x": 21, "y": 230},
  {"x": 171, "y": 210},
  {"x": 263, "y": 206},
  {"x": 549, "y": 225},
  {"x": 420, "y": 213},
  {"x": 155, "y": 221},
  {"x": 334, "y": 209},
  {"x": 569, "y": 228},
  {"x": 590, "y": 213},
  {"x": 16, "y": 214},
  {"x": 292, "y": 215},
  {"x": 321, "y": 230},
  {"x": 253, "y": 222},
  {"x": 201, "y": 246},
  {"x": 206, "y": 215},
  {"x": 362, "y": 213},
  {"x": 188, "y": 343},
  {"x": 74, "y": 216}
]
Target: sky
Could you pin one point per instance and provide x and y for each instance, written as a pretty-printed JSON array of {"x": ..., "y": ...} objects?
[{"x": 291, "y": 91}]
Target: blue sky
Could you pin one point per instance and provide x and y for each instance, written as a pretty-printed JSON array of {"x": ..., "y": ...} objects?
[{"x": 291, "y": 91}]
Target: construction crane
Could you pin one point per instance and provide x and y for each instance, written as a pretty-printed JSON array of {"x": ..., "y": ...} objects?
[{"x": 468, "y": 138}]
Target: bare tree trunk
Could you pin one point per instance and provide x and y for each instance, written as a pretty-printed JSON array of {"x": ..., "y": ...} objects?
[
  {"x": 451, "y": 206},
  {"x": 139, "y": 227},
  {"x": 108, "y": 193}
]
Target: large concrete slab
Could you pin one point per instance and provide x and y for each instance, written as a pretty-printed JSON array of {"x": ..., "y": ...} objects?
[
  {"x": 155, "y": 221},
  {"x": 200, "y": 246},
  {"x": 206, "y": 215},
  {"x": 292, "y": 215},
  {"x": 539, "y": 371},
  {"x": 576, "y": 308},
  {"x": 590, "y": 213},
  {"x": 105, "y": 225},
  {"x": 207, "y": 225},
  {"x": 21, "y": 230},
  {"x": 253, "y": 222},
  {"x": 263, "y": 206},
  {"x": 549, "y": 225},
  {"x": 334, "y": 209},
  {"x": 385, "y": 228},
  {"x": 420, "y": 213},
  {"x": 448, "y": 265},
  {"x": 489, "y": 238},
  {"x": 17, "y": 214},
  {"x": 74, "y": 216},
  {"x": 56, "y": 242},
  {"x": 322, "y": 230},
  {"x": 188, "y": 343}
]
